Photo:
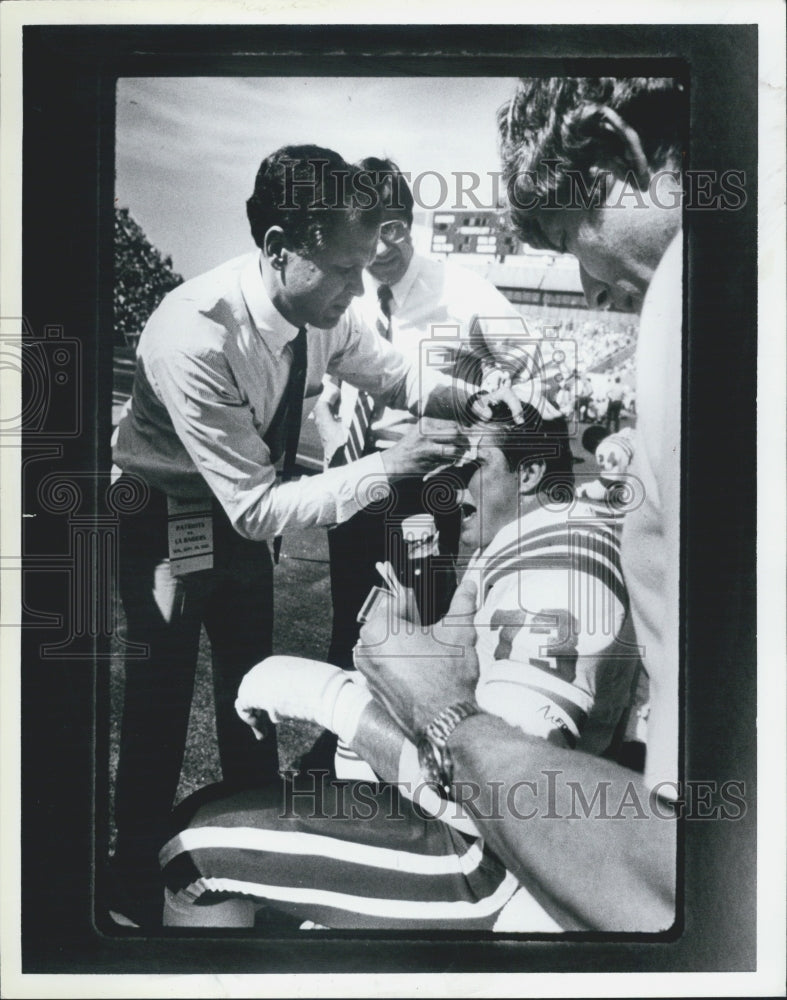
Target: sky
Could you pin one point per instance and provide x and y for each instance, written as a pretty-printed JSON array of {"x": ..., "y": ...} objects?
[{"x": 188, "y": 149}]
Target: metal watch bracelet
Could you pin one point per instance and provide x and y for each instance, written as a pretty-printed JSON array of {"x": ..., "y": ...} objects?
[{"x": 437, "y": 766}]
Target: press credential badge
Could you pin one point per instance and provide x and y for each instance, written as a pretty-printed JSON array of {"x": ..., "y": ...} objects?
[{"x": 190, "y": 529}]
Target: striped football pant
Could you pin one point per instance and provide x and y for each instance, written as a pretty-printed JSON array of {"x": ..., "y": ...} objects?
[{"x": 341, "y": 854}]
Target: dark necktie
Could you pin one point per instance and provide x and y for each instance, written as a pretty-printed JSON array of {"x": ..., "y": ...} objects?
[
  {"x": 296, "y": 384},
  {"x": 285, "y": 427},
  {"x": 384, "y": 296}
]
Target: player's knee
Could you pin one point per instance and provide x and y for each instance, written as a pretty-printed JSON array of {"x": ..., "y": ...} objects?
[{"x": 184, "y": 812}]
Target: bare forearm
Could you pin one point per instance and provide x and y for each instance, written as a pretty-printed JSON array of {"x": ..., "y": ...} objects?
[
  {"x": 582, "y": 831},
  {"x": 378, "y": 740}
]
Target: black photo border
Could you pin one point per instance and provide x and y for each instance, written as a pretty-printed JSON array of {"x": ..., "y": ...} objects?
[{"x": 68, "y": 187}]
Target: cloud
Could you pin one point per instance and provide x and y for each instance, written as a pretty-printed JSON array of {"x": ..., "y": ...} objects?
[{"x": 188, "y": 148}]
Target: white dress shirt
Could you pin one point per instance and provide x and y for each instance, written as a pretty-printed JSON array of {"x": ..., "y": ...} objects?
[
  {"x": 436, "y": 308},
  {"x": 651, "y": 532},
  {"x": 212, "y": 365}
]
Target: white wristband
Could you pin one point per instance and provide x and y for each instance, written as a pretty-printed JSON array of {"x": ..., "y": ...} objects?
[{"x": 348, "y": 708}]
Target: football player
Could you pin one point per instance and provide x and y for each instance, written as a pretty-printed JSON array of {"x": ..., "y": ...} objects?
[{"x": 544, "y": 601}]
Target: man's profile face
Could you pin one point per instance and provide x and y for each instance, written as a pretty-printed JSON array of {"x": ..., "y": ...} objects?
[
  {"x": 618, "y": 245},
  {"x": 394, "y": 250},
  {"x": 316, "y": 290},
  {"x": 491, "y": 499}
]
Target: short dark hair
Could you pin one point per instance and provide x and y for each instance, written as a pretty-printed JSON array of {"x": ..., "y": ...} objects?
[
  {"x": 536, "y": 439},
  {"x": 593, "y": 437},
  {"x": 392, "y": 187},
  {"x": 311, "y": 193},
  {"x": 559, "y": 121}
]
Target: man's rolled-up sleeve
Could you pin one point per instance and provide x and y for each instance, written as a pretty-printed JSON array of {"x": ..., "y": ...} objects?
[{"x": 216, "y": 427}]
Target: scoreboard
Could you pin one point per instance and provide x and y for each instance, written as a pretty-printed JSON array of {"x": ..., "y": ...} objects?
[{"x": 478, "y": 232}]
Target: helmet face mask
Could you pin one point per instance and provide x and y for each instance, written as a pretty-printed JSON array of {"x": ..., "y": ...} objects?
[{"x": 613, "y": 456}]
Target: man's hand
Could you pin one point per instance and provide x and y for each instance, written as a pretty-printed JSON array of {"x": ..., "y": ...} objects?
[
  {"x": 415, "y": 676},
  {"x": 594, "y": 490},
  {"x": 326, "y": 417},
  {"x": 427, "y": 444},
  {"x": 503, "y": 393},
  {"x": 496, "y": 388}
]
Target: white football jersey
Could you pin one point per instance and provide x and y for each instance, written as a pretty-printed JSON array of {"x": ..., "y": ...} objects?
[{"x": 556, "y": 657}]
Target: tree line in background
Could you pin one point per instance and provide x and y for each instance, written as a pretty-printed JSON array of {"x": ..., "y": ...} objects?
[{"x": 143, "y": 276}]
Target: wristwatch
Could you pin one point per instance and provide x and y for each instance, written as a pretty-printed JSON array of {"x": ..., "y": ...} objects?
[{"x": 434, "y": 757}]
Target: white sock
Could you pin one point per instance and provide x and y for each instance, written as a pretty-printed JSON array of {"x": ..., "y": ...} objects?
[{"x": 227, "y": 913}]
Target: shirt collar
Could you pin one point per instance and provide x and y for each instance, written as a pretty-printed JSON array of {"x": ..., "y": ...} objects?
[
  {"x": 401, "y": 289},
  {"x": 274, "y": 329}
]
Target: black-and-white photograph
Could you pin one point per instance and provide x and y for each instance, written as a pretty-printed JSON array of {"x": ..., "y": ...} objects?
[
  {"x": 504, "y": 522},
  {"x": 385, "y": 398}
]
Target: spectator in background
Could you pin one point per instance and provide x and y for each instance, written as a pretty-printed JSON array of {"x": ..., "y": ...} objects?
[
  {"x": 614, "y": 405},
  {"x": 584, "y": 398},
  {"x": 565, "y": 399}
]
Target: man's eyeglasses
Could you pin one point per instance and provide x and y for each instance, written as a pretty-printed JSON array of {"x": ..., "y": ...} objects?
[{"x": 394, "y": 231}]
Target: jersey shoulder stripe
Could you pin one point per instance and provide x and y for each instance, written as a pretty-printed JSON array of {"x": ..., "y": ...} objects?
[
  {"x": 559, "y": 534},
  {"x": 600, "y": 561}
]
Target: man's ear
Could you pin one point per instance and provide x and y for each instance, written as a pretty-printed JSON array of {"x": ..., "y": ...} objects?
[
  {"x": 617, "y": 144},
  {"x": 408, "y": 242},
  {"x": 631, "y": 157},
  {"x": 273, "y": 247},
  {"x": 530, "y": 476}
]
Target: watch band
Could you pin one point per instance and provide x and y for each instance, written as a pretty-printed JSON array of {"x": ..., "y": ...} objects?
[
  {"x": 434, "y": 757},
  {"x": 441, "y": 727}
]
